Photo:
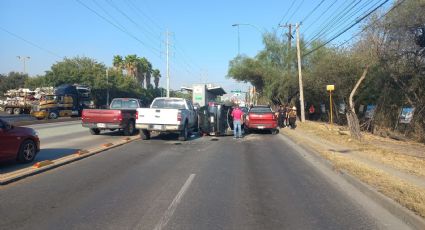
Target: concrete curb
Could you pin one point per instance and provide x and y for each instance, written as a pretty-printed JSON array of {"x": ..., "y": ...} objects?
[
  {"x": 79, "y": 155},
  {"x": 404, "y": 214}
]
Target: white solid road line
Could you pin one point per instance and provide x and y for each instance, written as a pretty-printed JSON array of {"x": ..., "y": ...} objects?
[{"x": 170, "y": 211}]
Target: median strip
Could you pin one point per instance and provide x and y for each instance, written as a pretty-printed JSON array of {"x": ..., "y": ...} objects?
[
  {"x": 42, "y": 164},
  {"x": 81, "y": 152},
  {"x": 107, "y": 145},
  {"x": 45, "y": 165}
]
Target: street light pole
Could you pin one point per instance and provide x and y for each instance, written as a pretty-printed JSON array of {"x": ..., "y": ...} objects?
[
  {"x": 23, "y": 59},
  {"x": 107, "y": 87},
  {"x": 239, "y": 40},
  {"x": 245, "y": 24},
  {"x": 168, "y": 68}
]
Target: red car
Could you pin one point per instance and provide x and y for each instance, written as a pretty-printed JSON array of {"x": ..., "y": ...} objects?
[
  {"x": 18, "y": 143},
  {"x": 261, "y": 117}
]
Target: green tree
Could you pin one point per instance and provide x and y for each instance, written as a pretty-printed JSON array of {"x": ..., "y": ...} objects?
[
  {"x": 156, "y": 75},
  {"x": 131, "y": 63},
  {"x": 13, "y": 80}
]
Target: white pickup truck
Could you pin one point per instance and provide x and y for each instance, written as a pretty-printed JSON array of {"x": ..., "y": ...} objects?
[{"x": 173, "y": 115}]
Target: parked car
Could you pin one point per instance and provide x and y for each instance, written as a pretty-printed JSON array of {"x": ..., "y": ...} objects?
[
  {"x": 18, "y": 143},
  {"x": 261, "y": 117},
  {"x": 169, "y": 115},
  {"x": 120, "y": 115}
]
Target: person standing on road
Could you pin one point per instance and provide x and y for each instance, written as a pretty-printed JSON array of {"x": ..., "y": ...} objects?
[
  {"x": 281, "y": 116},
  {"x": 293, "y": 117},
  {"x": 237, "y": 115},
  {"x": 311, "y": 112}
]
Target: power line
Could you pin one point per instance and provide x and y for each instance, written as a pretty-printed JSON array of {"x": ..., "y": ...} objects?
[
  {"x": 32, "y": 43},
  {"x": 330, "y": 21},
  {"x": 345, "y": 30},
  {"x": 111, "y": 3},
  {"x": 343, "y": 19},
  {"x": 119, "y": 28},
  {"x": 108, "y": 14},
  {"x": 370, "y": 24},
  {"x": 320, "y": 16},
  {"x": 311, "y": 12},
  {"x": 284, "y": 15},
  {"x": 134, "y": 6},
  {"x": 296, "y": 10}
]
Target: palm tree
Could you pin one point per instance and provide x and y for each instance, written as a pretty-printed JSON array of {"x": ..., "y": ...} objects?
[
  {"x": 144, "y": 71},
  {"x": 131, "y": 64},
  {"x": 156, "y": 75},
  {"x": 118, "y": 63}
]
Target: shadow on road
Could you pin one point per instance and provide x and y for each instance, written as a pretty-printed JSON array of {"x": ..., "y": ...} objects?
[{"x": 44, "y": 154}]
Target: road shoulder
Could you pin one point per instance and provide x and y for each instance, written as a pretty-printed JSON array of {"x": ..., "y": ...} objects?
[{"x": 307, "y": 143}]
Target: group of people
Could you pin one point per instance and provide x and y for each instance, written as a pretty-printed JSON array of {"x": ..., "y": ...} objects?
[{"x": 287, "y": 116}]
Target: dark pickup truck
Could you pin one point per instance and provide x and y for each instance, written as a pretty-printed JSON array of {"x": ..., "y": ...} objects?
[{"x": 120, "y": 115}]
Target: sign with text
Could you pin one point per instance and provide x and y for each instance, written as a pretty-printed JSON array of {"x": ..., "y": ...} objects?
[
  {"x": 370, "y": 111},
  {"x": 406, "y": 115}
]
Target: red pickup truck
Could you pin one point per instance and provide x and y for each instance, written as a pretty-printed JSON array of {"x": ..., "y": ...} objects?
[
  {"x": 120, "y": 115},
  {"x": 261, "y": 117}
]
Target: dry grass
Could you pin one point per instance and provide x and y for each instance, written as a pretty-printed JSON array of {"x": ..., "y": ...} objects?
[
  {"x": 408, "y": 195},
  {"x": 396, "y": 159}
]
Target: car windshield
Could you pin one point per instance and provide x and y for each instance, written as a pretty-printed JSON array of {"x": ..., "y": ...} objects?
[
  {"x": 124, "y": 104},
  {"x": 260, "y": 110},
  {"x": 168, "y": 104}
]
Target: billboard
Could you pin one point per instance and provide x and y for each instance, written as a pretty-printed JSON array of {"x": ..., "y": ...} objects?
[
  {"x": 370, "y": 111},
  {"x": 406, "y": 115}
]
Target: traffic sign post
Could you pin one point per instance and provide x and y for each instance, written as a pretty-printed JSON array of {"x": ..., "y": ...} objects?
[{"x": 330, "y": 88}]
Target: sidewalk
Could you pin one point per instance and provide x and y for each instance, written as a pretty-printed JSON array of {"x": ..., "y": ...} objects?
[{"x": 394, "y": 168}]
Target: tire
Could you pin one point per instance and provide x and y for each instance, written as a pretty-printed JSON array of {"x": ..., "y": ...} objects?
[
  {"x": 53, "y": 115},
  {"x": 9, "y": 111},
  {"x": 17, "y": 111},
  {"x": 184, "y": 133},
  {"x": 94, "y": 131},
  {"x": 27, "y": 151},
  {"x": 145, "y": 134},
  {"x": 129, "y": 129}
]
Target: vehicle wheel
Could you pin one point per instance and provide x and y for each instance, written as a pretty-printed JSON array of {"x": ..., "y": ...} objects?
[
  {"x": 184, "y": 133},
  {"x": 9, "y": 111},
  {"x": 95, "y": 131},
  {"x": 129, "y": 129},
  {"x": 17, "y": 111},
  {"x": 145, "y": 134},
  {"x": 275, "y": 131},
  {"x": 27, "y": 151},
  {"x": 53, "y": 115}
]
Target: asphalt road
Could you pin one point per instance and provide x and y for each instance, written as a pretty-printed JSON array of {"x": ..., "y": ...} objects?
[
  {"x": 259, "y": 182},
  {"x": 60, "y": 139}
]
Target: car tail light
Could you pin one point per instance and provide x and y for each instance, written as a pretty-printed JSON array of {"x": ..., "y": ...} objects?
[
  {"x": 137, "y": 114},
  {"x": 119, "y": 115},
  {"x": 179, "y": 116},
  {"x": 274, "y": 117}
]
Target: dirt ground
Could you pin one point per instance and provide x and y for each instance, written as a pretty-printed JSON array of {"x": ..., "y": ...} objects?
[{"x": 394, "y": 168}]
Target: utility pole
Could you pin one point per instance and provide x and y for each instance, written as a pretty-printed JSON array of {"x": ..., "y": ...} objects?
[
  {"x": 300, "y": 77},
  {"x": 168, "y": 67},
  {"x": 23, "y": 59},
  {"x": 107, "y": 87}
]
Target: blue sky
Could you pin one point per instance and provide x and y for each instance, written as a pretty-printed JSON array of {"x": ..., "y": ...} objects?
[{"x": 203, "y": 39}]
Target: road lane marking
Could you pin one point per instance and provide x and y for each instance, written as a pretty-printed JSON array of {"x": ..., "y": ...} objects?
[{"x": 170, "y": 211}]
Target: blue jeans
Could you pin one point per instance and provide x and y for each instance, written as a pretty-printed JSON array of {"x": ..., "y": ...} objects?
[{"x": 237, "y": 131}]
